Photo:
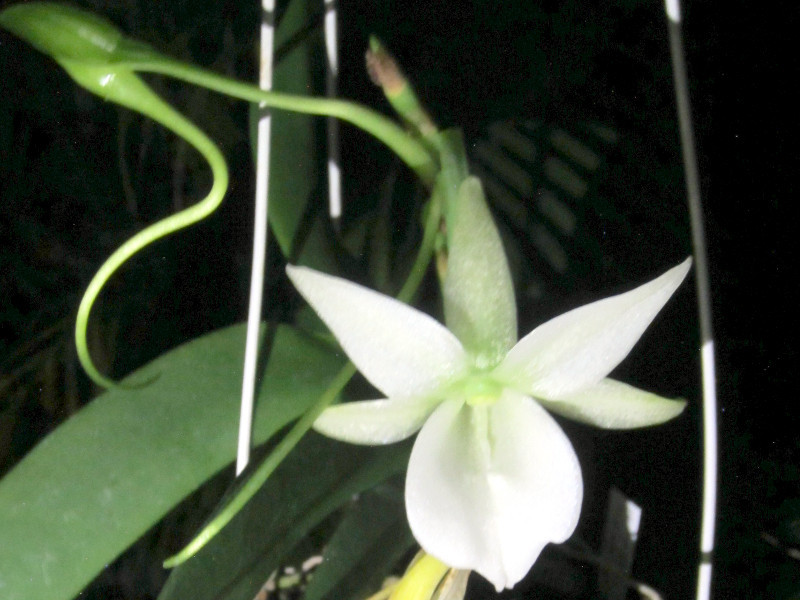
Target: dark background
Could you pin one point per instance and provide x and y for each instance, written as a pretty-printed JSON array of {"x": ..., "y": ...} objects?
[{"x": 560, "y": 64}]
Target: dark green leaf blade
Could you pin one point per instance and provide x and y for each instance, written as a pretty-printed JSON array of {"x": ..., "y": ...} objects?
[
  {"x": 319, "y": 477},
  {"x": 93, "y": 486},
  {"x": 370, "y": 539},
  {"x": 294, "y": 155}
]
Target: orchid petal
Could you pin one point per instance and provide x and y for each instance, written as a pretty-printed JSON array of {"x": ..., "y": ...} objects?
[
  {"x": 489, "y": 486},
  {"x": 611, "y": 404},
  {"x": 400, "y": 350},
  {"x": 478, "y": 294},
  {"x": 375, "y": 422},
  {"x": 579, "y": 348}
]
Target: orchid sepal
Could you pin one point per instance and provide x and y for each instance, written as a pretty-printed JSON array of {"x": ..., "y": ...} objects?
[
  {"x": 477, "y": 290},
  {"x": 582, "y": 346},
  {"x": 375, "y": 422},
  {"x": 400, "y": 350},
  {"x": 611, "y": 404}
]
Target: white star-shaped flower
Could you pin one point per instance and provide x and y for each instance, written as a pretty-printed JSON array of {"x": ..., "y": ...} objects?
[{"x": 492, "y": 478}]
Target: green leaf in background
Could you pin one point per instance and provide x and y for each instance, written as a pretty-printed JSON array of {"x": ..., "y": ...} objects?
[
  {"x": 318, "y": 477},
  {"x": 369, "y": 541},
  {"x": 294, "y": 160},
  {"x": 98, "y": 482}
]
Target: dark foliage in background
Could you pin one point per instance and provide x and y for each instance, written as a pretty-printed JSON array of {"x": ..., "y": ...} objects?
[{"x": 78, "y": 177}]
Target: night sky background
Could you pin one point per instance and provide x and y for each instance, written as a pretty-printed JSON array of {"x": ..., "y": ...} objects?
[{"x": 539, "y": 66}]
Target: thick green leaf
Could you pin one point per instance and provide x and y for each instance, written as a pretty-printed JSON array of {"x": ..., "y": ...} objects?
[
  {"x": 369, "y": 541},
  {"x": 93, "y": 486},
  {"x": 319, "y": 477}
]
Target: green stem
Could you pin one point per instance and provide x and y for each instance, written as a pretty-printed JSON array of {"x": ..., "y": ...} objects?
[
  {"x": 144, "y": 101},
  {"x": 385, "y": 72},
  {"x": 425, "y": 253},
  {"x": 410, "y": 150},
  {"x": 265, "y": 469}
]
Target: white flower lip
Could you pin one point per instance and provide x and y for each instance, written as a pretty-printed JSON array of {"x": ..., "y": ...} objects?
[{"x": 488, "y": 485}]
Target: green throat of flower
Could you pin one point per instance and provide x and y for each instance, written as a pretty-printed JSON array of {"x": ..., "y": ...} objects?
[{"x": 477, "y": 389}]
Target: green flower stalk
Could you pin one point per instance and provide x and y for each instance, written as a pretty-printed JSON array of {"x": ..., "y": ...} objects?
[
  {"x": 101, "y": 59},
  {"x": 92, "y": 51},
  {"x": 492, "y": 478},
  {"x": 69, "y": 34}
]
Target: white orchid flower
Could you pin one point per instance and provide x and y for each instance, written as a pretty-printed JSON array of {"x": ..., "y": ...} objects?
[{"x": 492, "y": 478}]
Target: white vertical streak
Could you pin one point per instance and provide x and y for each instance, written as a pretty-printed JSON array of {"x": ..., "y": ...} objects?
[
  {"x": 710, "y": 441},
  {"x": 708, "y": 518},
  {"x": 673, "y": 10},
  {"x": 331, "y": 78},
  {"x": 704, "y": 581},
  {"x": 259, "y": 243}
]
